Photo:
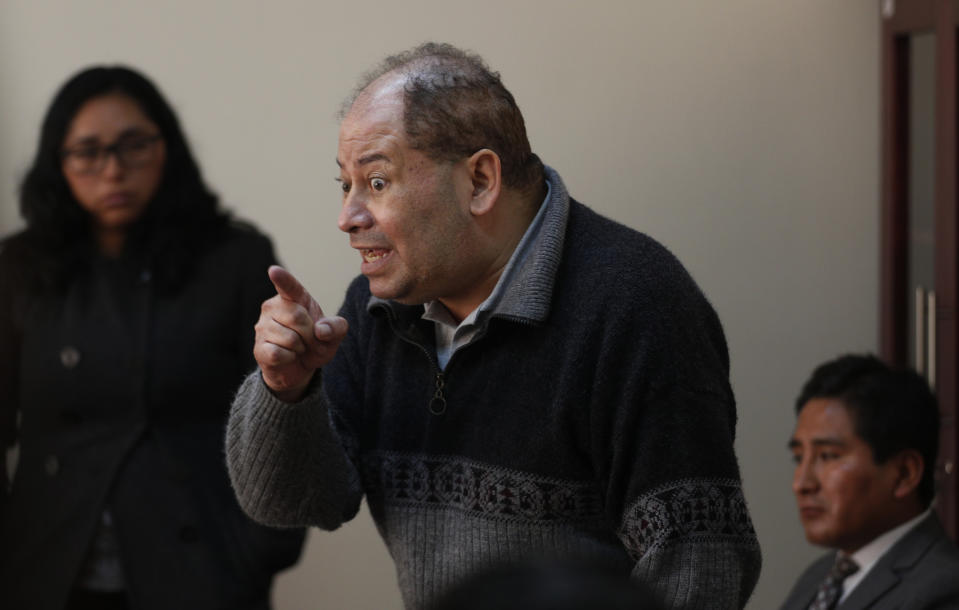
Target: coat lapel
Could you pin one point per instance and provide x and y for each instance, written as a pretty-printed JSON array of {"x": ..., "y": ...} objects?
[
  {"x": 897, "y": 561},
  {"x": 808, "y": 584}
]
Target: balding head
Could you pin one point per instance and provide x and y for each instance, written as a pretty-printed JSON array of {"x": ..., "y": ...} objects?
[{"x": 453, "y": 106}]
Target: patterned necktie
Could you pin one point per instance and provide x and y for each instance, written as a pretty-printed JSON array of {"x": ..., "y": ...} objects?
[{"x": 831, "y": 588}]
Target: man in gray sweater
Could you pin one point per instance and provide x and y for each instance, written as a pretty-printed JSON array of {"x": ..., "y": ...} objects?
[{"x": 512, "y": 377}]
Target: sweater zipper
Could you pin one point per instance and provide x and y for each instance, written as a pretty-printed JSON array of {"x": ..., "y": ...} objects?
[{"x": 437, "y": 404}]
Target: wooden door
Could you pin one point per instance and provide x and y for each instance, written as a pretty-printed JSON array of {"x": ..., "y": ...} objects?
[{"x": 918, "y": 259}]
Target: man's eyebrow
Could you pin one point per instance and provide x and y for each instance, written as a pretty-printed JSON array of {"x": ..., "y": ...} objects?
[
  {"x": 828, "y": 441},
  {"x": 370, "y": 158},
  {"x": 367, "y": 159}
]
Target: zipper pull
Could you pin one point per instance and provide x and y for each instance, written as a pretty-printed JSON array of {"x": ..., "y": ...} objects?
[{"x": 438, "y": 402}]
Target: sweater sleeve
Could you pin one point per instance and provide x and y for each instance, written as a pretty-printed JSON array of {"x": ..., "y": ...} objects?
[
  {"x": 691, "y": 537},
  {"x": 295, "y": 464},
  {"x": 666, "y": 448},
  {"x": 287, "y": 464}
]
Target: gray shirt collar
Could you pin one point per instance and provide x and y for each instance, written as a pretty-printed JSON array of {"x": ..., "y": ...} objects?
[{"x": 437, "y": 312}]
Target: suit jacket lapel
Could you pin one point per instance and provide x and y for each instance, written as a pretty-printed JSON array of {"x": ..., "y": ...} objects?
[
  {"x": 898, "y": 560},
  {"x": 808, "y": 584}
]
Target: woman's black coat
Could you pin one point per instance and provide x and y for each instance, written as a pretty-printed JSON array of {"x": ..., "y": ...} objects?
[{"x": 122, "y": 398}]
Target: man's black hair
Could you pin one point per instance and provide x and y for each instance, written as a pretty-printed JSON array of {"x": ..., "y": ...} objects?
[{"x": 892, "y": 409}]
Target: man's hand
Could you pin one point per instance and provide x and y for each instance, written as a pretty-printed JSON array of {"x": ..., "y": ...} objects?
[{"x": 293, "y": 337}]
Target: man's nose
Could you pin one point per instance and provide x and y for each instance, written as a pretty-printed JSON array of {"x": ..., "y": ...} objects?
[
  {"x": 354, "y": 214},
  {"x": 804, "y": 478}
]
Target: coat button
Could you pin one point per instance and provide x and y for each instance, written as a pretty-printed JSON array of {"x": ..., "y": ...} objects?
[
  {"x": 69, "y": 357},
  {"x": 51, "y": 465}
]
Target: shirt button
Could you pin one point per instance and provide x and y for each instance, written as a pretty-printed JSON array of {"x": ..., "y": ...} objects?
[
  {"x": 69, "y": 357},
  {"x": 51, "y": 465}
]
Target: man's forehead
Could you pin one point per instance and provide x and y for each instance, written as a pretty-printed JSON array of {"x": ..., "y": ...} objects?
[
  {"x": 374, "y": 126},
  {"x": 824, "y": 421},
  {"x": 362, "y": 141}
]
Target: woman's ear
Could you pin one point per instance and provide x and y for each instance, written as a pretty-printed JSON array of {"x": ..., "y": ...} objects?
[
  {"x": 487, "y": 180},
  {"x": 910, "y": 467}
]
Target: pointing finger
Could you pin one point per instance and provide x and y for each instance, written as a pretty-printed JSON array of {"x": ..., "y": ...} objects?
[{"x": 290, "y": 288}]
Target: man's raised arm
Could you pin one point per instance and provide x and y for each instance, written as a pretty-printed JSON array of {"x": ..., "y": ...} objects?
[{"x": 286, "y": 462}]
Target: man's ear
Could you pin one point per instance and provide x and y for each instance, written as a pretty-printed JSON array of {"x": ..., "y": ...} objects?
[
  {"x": 487, "y": 180},
  {"x": 910, "y": 467}
]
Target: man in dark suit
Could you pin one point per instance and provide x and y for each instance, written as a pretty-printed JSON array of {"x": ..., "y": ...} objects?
[{"x": 865, "y": 445}]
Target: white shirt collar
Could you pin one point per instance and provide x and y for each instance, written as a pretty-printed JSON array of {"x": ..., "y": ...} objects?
[{"x": 868, "y": 556}]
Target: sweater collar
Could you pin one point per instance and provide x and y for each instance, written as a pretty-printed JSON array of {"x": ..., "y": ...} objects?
[{"x": 529, "y": 293}]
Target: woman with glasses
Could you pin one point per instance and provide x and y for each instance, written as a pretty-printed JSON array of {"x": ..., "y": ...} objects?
[{"x": 126, "y": 323}]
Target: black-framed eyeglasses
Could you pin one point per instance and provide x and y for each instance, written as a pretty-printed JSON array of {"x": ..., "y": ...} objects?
[{"x": 131, "y": 151}]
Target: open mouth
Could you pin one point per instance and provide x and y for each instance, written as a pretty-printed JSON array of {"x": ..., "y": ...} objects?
[{"x": 371, "y": 255}]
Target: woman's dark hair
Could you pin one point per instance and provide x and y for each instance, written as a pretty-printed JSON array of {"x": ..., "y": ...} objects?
[{"x": 182, "y": 217}]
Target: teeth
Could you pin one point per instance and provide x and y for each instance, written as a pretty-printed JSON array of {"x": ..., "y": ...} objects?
[{"x": 373, "y": 255}]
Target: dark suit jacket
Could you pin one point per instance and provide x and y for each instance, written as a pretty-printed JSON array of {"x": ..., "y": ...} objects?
[
  {"x": 123, "y": 392},
  {"x": 919, "y": 572}
]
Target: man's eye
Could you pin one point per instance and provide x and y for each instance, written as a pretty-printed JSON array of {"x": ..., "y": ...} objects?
[
  {"x": 378, "y": 184},
  {"x": 796, "y": 458},
  {"x": 345, "y": 186},
  {"x": 828, "y": 455}
]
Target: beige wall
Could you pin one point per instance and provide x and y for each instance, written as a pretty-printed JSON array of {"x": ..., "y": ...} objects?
[{"x": 743, "y": 134}]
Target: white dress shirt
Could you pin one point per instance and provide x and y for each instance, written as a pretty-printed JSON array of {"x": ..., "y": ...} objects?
[{"x": 868, "y": 556}]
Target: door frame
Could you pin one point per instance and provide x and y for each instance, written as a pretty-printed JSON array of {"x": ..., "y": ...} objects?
[{"x": 899, "y": 20}]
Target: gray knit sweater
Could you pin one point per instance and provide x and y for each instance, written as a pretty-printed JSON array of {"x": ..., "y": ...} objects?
[{"x": 591, "y": 418}]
